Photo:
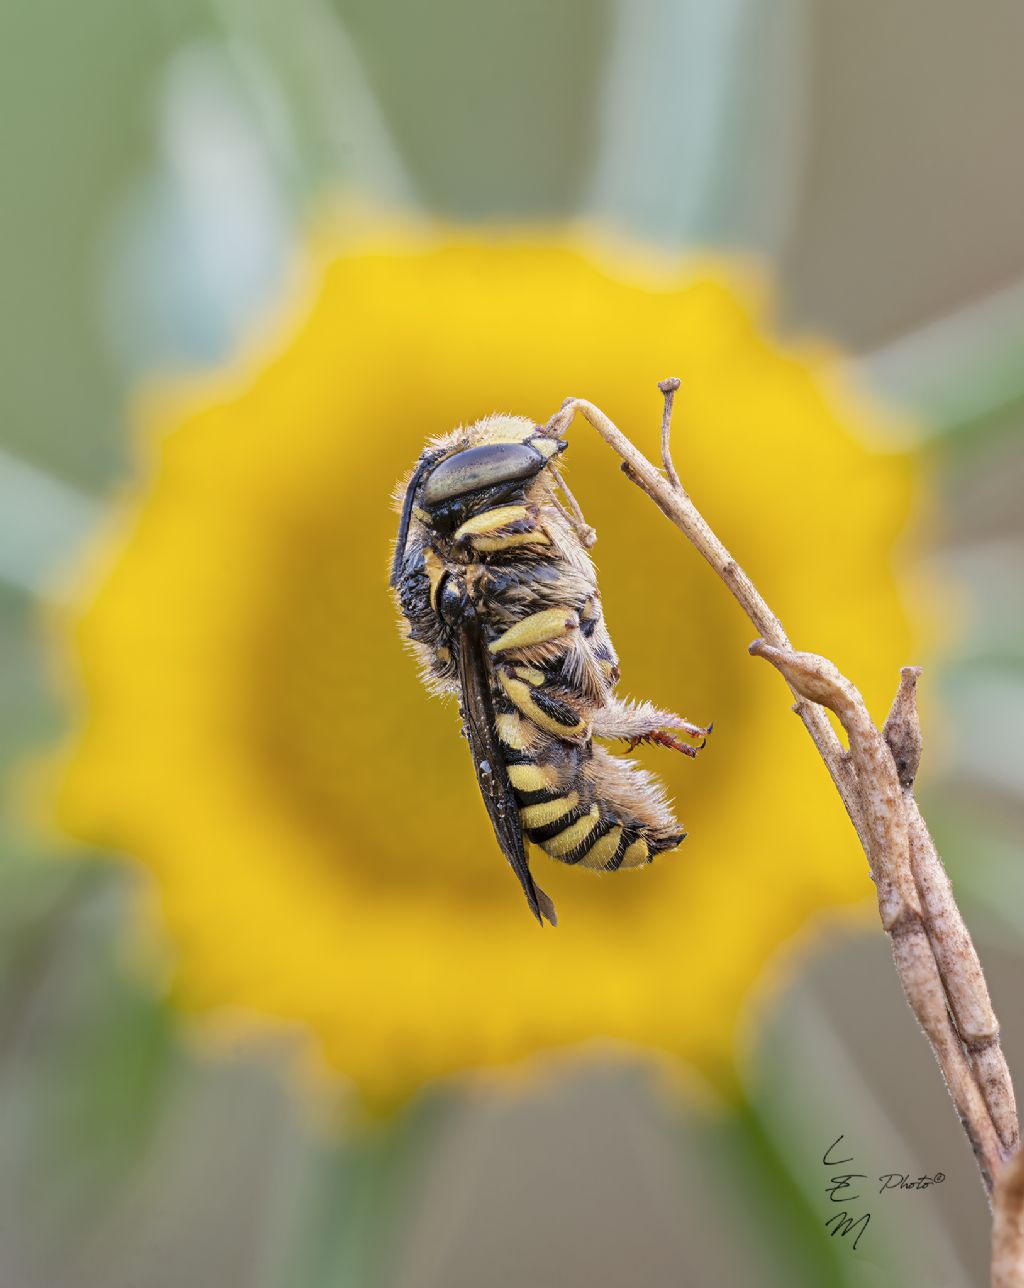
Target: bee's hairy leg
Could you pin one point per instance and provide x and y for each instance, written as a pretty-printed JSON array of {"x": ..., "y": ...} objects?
[
  {"x": 694, "y": 730},
  {"x": 639, "y": 722},
  {"x": 662, "y": 738}
]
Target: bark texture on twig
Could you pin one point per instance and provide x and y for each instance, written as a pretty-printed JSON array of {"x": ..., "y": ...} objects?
[
  {"x": 1008, "y": 1226},
  {"x": 955, "y": 954},
  {"x": 935, "y": 959},
  {"x": 920, "y": 949}
]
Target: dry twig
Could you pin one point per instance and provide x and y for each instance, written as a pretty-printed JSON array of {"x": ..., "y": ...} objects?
[
  {"x": 934, "y": 956},
  {"x": 1008, "y": 1226}
]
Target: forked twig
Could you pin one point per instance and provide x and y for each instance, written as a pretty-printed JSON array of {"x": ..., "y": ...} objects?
[
  {"x": 934, "y": 956},
  {"x": 923, "y": 944}
]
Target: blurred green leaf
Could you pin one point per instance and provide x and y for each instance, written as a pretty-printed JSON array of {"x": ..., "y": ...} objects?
[
  {"x": 784, "y": 1222},
  {"x": 76, "y": 122},
  {"x": 702, "y": 116},
  {"x": 977, "y": 832},
  {"x": 839, "y": 1053},
  {"x": 490, "y": 106},
  {"x": 357, "y": 1198},
  {"x": 43, "y": 522},
  {"x": 87, "y": 1049},
  {"x": 309, "y": 90},
  {"x": 29, "y": 711},
  {"x": 962, "y": 373}
]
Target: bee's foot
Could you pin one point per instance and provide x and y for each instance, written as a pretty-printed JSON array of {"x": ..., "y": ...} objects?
[{"x": 662, "y": 738}]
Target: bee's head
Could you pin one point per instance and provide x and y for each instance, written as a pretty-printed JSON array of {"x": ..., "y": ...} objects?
[{"x": 484, "y": 465}]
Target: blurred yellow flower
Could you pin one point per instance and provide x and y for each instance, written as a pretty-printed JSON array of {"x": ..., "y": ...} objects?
[{"x": 254, "y": 733}]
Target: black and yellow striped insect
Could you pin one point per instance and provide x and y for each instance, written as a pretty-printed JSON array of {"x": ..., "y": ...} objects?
[{"x": 492, "y": 574}]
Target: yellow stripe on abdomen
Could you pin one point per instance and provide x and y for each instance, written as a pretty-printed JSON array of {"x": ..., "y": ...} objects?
[
  {"x": 533, "y": 778},
  {"x": 574, "y": 835},
  {"x": 636, "y": 855},
  {"x": 603, "y": 849},
  {"x": 548, "y": 812}
]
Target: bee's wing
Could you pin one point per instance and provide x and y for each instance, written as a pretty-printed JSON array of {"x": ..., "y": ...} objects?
[{"x": 491, "y": 773}]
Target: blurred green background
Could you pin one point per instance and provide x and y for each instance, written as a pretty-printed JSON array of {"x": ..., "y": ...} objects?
[{"x": 160, "y": 162}]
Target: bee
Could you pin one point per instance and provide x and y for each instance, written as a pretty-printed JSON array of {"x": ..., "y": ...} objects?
[{"x": 492, "y": 574}]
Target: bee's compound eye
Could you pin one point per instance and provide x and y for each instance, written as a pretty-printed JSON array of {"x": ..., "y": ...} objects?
[{"x": 480, "y": 467}]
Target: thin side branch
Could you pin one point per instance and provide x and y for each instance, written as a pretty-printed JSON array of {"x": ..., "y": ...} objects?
[
  {"x": 668, "y": 389},
  {"x": 934, "y": 956}
]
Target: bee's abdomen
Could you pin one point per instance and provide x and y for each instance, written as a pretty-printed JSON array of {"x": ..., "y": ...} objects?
[
  {"x": 595, "y": 836},
  {"x": 559, "y": 810}
]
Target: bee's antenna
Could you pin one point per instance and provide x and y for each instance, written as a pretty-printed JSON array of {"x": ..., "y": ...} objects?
[{"x": 407, "y": 503}]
